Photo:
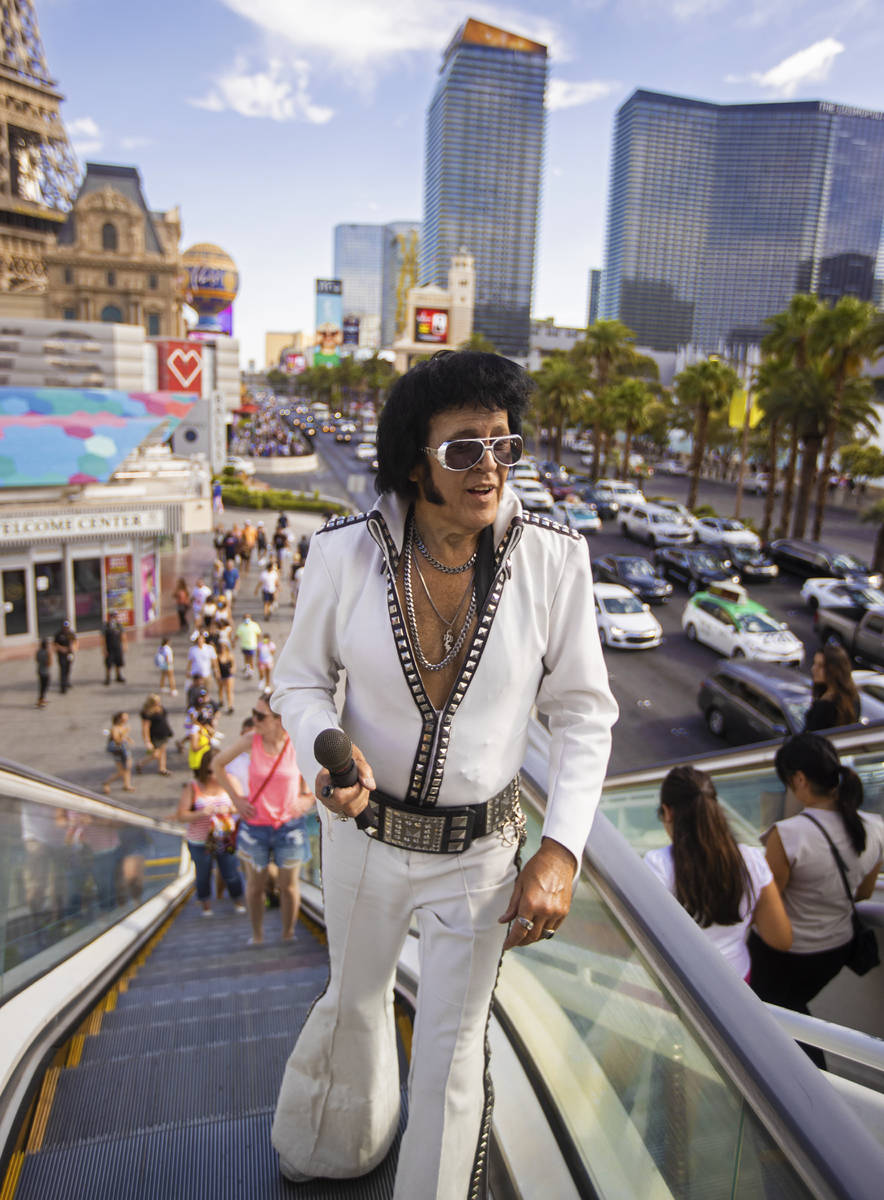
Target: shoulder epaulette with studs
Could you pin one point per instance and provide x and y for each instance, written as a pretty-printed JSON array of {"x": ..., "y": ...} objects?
[
  {"x": 342, "y": 522},
  {"x": 530, "y": 518}
]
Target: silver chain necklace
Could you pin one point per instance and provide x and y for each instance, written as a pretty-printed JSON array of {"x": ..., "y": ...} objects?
[
  {"x": 452, "y": 651},
  {"x": 434, "y": 562},
  {"x": 448, "y": 636}
]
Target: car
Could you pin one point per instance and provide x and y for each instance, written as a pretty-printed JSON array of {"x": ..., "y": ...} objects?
[
  {"x": 757, "y": 483},
  {"x": 605, "y": 501},
  {"x": 859, "y": 630},
  {"x": 806, "y": 558},
  {"x": 548, "y": 471},
  {"x": 726, "y": 620},
  {"x": 656, "y": 526},
  {"x": 695, "y": 566},
  {"x": 624, "y": 493},
  {"x": 748, "y": 563},
  {"x": 716, "y": 531},
  {"x": 533, "y": 495},
  {"x": 839, "y": 593},
  {"x": 674, "y": 506},
  {"x": 670, "y": 466},
  {"x": 634, "y": 572},
  {"x": 624, "y": 622},
  {"x": 242, "y": 466},
  {"x": 751, "y": 701},
  {"x": 580, "y": 516},
  {"x": 366, "y": 451},
  {"x": 525, "y": 468}
]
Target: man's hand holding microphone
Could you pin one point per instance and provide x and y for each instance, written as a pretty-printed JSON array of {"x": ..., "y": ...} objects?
[{"x": 344, "y": 783}]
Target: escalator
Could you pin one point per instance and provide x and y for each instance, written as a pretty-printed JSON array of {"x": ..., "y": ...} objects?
[{"x": 145, "y": 1044}]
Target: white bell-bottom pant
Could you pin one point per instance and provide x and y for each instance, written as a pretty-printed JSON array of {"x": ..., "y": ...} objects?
[{"x": 338, "y": 1107}]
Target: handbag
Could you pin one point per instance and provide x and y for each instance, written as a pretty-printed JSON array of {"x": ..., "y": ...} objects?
[{"x": 864, "y": 955}]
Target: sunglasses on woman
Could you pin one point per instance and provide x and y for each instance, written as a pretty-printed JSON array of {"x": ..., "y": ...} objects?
[{"x": 463, "y": 453}]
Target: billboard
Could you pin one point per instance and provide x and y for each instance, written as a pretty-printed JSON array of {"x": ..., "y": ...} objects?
[
  {"x": 180, "y": 367},
  {"x": 351, "y": 331},
  {"x": 329, "y": 321},
  {"x": 431, "y": 325},
  {"x": 293, "y": 363}
]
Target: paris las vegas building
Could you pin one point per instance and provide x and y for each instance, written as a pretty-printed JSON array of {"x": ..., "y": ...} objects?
[{"x": 99, "y": 394}]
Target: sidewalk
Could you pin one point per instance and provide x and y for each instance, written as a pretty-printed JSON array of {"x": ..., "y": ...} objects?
[{"x": 66, "y": 738}]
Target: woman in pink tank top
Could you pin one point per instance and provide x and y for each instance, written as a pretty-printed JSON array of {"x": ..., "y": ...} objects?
[{"x": 272, "y": 825}]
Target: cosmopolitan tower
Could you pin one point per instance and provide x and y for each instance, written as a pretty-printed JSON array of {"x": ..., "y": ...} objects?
[
  {"x": 484, "y": 151},
  {"x": 719, "y": 213}
]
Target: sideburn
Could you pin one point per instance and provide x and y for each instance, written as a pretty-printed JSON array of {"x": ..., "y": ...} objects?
[{"x": 427, "y": 487}]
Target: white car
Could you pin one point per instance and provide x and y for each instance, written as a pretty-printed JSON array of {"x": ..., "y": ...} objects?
[
  {"x": 840, "y": 593},
  {"x": 726, "y": 620},
  {"x": 242, "y": 466},
  {"x": 582, "y": 517},
  {"x": 533, "y": 495},
  {"x": 366, "y": 451},
  {"x": 656, "y": 526},
  {"x": 624, "y": 493},
  {"x": 623, "y": 621},
  {"x": 724, "y": 531},
  {"x": 525, "y": 468},
  {"x": 674, "y": 507},
  {"x": 670, "y": 466},
  {"x": 758, "y": 483}
]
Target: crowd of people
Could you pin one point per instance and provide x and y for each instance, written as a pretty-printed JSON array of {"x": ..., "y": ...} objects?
[{"x": 264, "y": 435}]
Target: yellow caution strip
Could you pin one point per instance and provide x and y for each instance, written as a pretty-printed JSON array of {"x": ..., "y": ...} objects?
[
  {"x": 13, "y": 1171},
  {"x": 405, "y": 1025},
  {"x": 42, "y": 1111}
]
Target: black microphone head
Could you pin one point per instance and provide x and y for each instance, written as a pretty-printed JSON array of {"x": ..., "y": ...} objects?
[{"x": 333, "y": 750}]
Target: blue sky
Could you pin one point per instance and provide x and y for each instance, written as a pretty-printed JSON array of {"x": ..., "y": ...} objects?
[{"x": 269, "y": 121}]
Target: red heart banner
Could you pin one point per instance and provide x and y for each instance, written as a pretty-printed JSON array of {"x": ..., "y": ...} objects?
[{"x": 180, "y": 367}]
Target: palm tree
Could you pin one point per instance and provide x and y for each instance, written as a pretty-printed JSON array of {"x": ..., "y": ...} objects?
[
  {"x": 704, "y": 388},
  {"x": 775, "y": 395},
  {"x": 560, "y": 386},
  {"x": 478, "y": 341},
  {"x": 606, "y": 351},
  {"x": 630, "y": 401},
  {"x": 845, "y": 335}
]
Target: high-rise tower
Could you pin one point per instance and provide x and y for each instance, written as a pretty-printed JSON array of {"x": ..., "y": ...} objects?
[
  {"x": 484, "y": 149},
  {"x": 38, "y": 172},
  {"x": 719, "y": 213}
]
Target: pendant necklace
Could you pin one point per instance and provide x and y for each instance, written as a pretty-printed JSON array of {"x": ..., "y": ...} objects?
[{"x": 452, "y": 647}]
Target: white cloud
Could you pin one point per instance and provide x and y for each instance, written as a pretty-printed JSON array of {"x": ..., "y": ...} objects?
[
  {"x": 811, "y": 65},
  {"x": 86, "y": 137},
  {"x": 565, "y": 93},
  {"x": 278, "y": 92}
]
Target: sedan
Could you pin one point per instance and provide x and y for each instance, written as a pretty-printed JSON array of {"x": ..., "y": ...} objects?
[
  {"x": 634, "y": 572},
  {"x": 624, "y": 622},
  {"x": 749, "y": 564},
  {"x": 580, "y": 516},
  {"x": 695, "y": 567},
  {"x": 534, "y": 496},
  {"x": 839, "y": 593},
  {"x": 605, "y": 501},
  {"x": 805, "y": 558},
  {"x": 670, "y": 466},
  {"x": 725, "y": 531},
  {"x": 737, "y": 627}
]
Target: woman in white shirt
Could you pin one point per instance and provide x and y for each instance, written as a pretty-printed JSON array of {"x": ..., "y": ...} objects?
[
  {"x": 808, "y": 877},
  {"x": 723, "y": 885}
]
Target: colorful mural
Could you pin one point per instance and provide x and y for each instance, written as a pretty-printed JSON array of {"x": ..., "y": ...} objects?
[{"x": 77, "y": 435}]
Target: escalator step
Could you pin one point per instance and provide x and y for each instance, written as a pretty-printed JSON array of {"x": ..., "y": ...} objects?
[
  {"x": 146, "y": 1037},
  {"x": 229, "y": 1159},
  {"x": 143, "y": 995},
  {"x": 164, "y": 1090},
  {"x": 293, "y": 990}
]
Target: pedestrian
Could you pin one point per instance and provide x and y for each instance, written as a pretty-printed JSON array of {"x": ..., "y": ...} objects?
[
  {"x": 247, "y": 634},
  {"x": 246, "y": 544},
  {"x": 43, "y": 659},
  {"x": 202, "y": 659},
  {"x": 181, "y": 596},
  {"x": 119, "y": 747},
  {"x": 261, "y": 539},
  {"x": 230, "y": 581},
  {"x": 835, "y": 696},
  {"x": 230, "y": 544},
  {"x": 198, "y": 597},
  {"x": 164, "y": 661},
  {"x": 155, "y": 732},
  {"x": 272, "y": 825},
  {"x": 114, "y": 638},
  {"x": 199, "y": 726},
  {"x": 65, "y": 642},
  {"x": 208, "y": 813},
  {"x": 823, "y": 859},
  {"x": 266, "y": 651},
  {"x": 450, "y": 614},
  {"x": 226, "y": 672},
  {"x": 267, "y": 585}
]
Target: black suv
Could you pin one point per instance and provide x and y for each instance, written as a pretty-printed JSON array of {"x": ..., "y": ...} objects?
[
  {"x": 812, "y": 558},
  {"x": 634, "y": 572},
  {"x": 696, "y": 567}
]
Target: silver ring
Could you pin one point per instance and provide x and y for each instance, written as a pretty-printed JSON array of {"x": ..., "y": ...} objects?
[
  {"x": 327, "y": 791},
  {"x": 548, "y": 933},
  {"x": 526, "y": 924}
]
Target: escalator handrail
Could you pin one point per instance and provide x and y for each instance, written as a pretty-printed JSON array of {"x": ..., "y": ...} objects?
[{"x": 791, "y": 1096}]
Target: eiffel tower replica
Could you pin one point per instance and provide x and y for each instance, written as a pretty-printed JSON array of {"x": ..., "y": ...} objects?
[{"x": 38, "y": 171}]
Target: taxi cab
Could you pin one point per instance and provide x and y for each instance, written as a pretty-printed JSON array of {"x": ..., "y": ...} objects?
[{"x": 725, "y": 619}]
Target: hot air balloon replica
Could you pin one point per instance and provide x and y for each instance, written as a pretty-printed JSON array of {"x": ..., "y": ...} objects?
[{"x": 210, "y": 285}]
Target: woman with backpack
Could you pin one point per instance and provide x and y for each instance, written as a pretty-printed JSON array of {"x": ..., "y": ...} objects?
[
  {"x": 823, "y": 859},
  {"x": 164, "y": 661}
]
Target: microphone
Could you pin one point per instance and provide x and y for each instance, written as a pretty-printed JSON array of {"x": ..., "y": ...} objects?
[{"x": 333, "y": 750}]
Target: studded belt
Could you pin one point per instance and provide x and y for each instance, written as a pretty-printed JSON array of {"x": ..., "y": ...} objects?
[{"x": 442, "y": 830}]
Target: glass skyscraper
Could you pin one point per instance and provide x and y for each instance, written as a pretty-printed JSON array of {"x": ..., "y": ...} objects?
[
  {"x": 484, "y": 150},
  {"x": 368, "y": 260},
  {"x": 718, "y": 214}
]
